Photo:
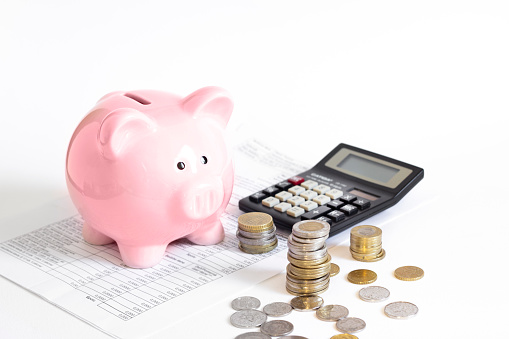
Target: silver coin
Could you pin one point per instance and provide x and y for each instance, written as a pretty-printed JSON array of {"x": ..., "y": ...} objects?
[
  {"x": 256, "y": 242},
  {"x": 257, "y": 235},
  {"x": 277, "y": 309},
  {"x": 276, "y": 328},
  {"x": 350, "y": 325},
  {"x": 253, "y": 335},
  {"x": 248, "y": 318},
  {"x": 332, "y": 312},
  {"x": 400, "y": 310},
  {"x": 245, "y": 303},
  {"x": 374, "y": 293},
  {"x": 311, "y": 229},
  {"x": 300, "y": 240}
]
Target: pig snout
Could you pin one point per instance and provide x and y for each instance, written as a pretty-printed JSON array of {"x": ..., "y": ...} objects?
[{"x": 204, "y": 199}]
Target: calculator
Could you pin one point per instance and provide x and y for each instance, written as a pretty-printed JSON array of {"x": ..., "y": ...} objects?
[{"x": 346, "y": 187}]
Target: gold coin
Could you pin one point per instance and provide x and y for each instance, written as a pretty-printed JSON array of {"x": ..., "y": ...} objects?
[
  {"x": 255, "y": 222},
  {"x": 361, "y": 277},
  {"x": 344, "y": 336},
  {"x": 368, "y": 258},
  {"x": 366, "y": 231},
  {"x": 257, "y": 249},
  {"x": 308, "y": 263},
  {"x": 334, "y": 269},
  {"x": 306, "y": 303},
  {"x": 409, "y": 273}
]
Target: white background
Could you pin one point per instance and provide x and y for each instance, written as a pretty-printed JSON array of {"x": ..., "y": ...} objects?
[{"x": 425, "y": 82}]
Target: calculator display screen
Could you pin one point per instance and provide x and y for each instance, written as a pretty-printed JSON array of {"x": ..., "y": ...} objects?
[{"x": 368, "y": 168}]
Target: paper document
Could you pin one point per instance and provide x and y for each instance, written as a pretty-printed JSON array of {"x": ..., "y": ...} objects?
[{"x": 92, "y": 283}]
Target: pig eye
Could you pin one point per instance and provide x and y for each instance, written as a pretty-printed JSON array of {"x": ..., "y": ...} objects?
[
  {"x": 204, "y": 160},
  {"x": 181, "y": 165}
]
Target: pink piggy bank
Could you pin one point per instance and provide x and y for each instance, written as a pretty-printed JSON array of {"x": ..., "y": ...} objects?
[{"x": 145, "y": 168}]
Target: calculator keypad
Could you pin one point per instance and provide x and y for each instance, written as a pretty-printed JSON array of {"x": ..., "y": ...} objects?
[{"x": 308, "y": 199}]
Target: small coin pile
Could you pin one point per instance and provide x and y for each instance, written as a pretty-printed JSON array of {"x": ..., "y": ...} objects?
[
  {"x": 366, "y": 243},
  {"x": 308, "y": 272},
  {"x": 256, "y": 233}
]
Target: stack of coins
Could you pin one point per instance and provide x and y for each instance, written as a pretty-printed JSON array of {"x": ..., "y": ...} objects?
[
  {"x": 366, "y": 243},
  {"x": 256, "y": 233},
  {"x": 308, "y": 272}
]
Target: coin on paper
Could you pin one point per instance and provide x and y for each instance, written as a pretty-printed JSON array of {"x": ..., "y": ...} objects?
[
  {"x": 332, "y": 312},
  {"x": 306, "y": 303},
  {"x": 350, "y": 325},
  {"x": 409, "y": 273},
  {"x": 277, "y": 328},
  {"x": 311, "y": 229},
  {"x": 277, "y": 309},
  {"x": 245, "y": 303},
  {"x": 361, "y": 277},
  {"x": 344, "y": 336},
  {"x": 400, "y": 310},
  {"x": 248, "y": 318},
  {"x": 334, "y": 269},
  {"x": 253, "y": 335},
  {"x": 374, "y": 293}
]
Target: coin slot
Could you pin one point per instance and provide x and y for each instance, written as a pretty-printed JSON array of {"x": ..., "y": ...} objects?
[{"x": 137, "y": 98}]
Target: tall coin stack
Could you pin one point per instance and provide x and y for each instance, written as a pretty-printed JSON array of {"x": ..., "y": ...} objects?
[
  {"x": 366, "y": 243},
  {"x": 308, "y": 272},
  {"x": 256, "y": 233}
]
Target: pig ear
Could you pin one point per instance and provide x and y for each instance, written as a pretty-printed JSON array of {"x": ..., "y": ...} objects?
[
  {"x": 121, "y": 128},
  {"x": 214, "y": 102}
]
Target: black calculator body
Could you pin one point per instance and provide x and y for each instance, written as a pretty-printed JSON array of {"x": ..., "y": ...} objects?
[{"x": 346, "y": 187}]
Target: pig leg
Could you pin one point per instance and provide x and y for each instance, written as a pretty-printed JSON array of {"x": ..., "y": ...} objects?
[
  {"x": 210, "y": 234},
  {"x": 141, "y": 256},
  {"x": 94, "y": 237}
]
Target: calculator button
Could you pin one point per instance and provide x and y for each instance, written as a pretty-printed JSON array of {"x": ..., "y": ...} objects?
[
  {"x": 335, "y": 204},
  {"x": 272, "y": 190},
  {"x": 336, "y": 216},
  {"x": 296, "y": 190},
  {"x": 257, "y": 197},
  {"x": 282, "y": 207},
  {"x": 348, "y": 209},
  {"x": 308, "y": 195},
  {"x": 327, "y": 220},
  {"x": 284, "y": 185},
  {"x": 348, "y": 198},
  {"x": 283, "y": 196},
  {"x": 334, "y": 193},
  {"x": 321, "y": 199},
  {"x": 361, "y": 204},
  {"x": 321, "y": 189},
  {"x": 316, "y": 213},
  {"x": 309, "y": 184},
  {"x": 270, "y": 202},
  {"x": 296, "y": 180},
  {"x": 296, "y": 200},
  {"x": 308, "y": 205},
  {"x": 295, "y": 211}
]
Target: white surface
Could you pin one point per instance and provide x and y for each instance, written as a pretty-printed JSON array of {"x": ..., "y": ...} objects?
[{"x": 423, "y": 82}]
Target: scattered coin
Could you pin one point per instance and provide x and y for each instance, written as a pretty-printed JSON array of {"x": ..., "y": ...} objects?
[
  {"x": 248, "y": 318},
  {"x": 334, "y": 269},
  {"x": 306, "y": 303},
  {"x": 400, "y": 310},
  {"x": 277, "y": 309},
  {"x": 344, "y": 336},
  {"x": 350, "y": 325},
  {"x": 245, "y": 303},
  {"x": 409, "y": 273},
  {"x": 253, "y": 335},
  {"x": 332, "y": 312},
  {"x": 276, "y": 328},
  {"x": 374, "y": 293},
  {"x": 361, "y": 277}
]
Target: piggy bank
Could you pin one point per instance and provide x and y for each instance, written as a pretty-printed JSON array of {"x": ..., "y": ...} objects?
[{"x": 145, "y": 168}]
